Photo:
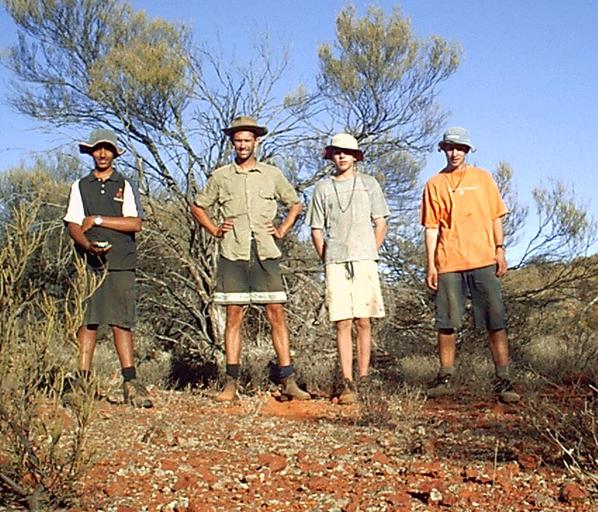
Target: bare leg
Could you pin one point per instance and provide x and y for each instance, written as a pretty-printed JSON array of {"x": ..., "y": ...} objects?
[
  {"x": 447, "y": 347},
  {"x": 344, "y": 344},
  {"x": 123, "y": 341},
  {"x": 232, "y": 333},
  {"x": 499, "y": 346},
  {"x": 364, "y": 345},
  {"x": 280, "y": 333},
  {"x": 87, "y": 343}
]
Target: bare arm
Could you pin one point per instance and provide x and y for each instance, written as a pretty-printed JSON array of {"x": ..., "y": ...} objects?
[
  {"x": 122, "y": 224},
  {"x": 317, "y": 237},
  {"x": 204, "y": 220},
  {"x": 501, "y": 259},
  {"x": 77, "y": 234},
  {"x": 380, "y": 230},
  {"x": 431, "y": 240},
  {"x": 287, "y": 224}
]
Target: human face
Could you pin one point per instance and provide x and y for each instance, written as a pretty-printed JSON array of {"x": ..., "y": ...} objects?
[
  {"x": 103, "y": 155},
  {"x": 455, "y": 155},
  {"x": 244, "y": 143},
  {"x": 344, "y": 161}
]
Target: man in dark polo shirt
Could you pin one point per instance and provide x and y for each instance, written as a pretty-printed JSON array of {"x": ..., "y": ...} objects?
[
  {"x": 246, "y": 193},
  {"x": 104, "y": 213}
]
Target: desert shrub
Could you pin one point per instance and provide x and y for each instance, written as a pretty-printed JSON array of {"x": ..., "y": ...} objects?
[
  {"x": 42, "y": 444},
  {"x": 567, "y": 356}
]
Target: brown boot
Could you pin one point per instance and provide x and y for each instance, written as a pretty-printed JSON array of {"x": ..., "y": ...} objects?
[
  {"x": 348, "y": 394},
  {"x": 291, "y": 390},
  {"x": 229, "y": 393},
  {"x": 135, "y": 394}
]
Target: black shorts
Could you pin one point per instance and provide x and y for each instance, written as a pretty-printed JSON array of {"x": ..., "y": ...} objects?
[
  {"x": 249, "y": 282},
  {"x": 113, "y": 303},
  {"x": 484, "y": 288}
]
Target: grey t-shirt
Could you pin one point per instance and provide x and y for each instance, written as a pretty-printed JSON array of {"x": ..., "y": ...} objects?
[{"x": 345, "y": 210}]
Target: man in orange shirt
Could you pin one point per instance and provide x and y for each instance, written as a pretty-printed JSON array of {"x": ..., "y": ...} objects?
[{"x": 462, "y": 214}]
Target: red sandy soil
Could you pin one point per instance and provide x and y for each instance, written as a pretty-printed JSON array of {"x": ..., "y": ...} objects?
[{"x": 190, "y": 454}]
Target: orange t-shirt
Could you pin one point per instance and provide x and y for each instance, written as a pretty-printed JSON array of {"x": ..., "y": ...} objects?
[{"x": 463, "y": 207}]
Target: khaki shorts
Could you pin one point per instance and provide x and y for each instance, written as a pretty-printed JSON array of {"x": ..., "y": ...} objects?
[{"x": 353, "y": 290}]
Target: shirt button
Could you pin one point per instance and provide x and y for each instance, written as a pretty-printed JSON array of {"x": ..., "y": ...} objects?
[{"x": 102, "y": 191}]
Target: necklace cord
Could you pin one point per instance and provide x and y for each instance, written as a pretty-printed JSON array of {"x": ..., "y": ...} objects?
[{"x": 338, "y": 199}]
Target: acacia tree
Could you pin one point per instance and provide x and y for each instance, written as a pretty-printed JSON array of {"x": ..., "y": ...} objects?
[
  {"x": 379, "y": 82},
  {"x": 83, "y": 63}
]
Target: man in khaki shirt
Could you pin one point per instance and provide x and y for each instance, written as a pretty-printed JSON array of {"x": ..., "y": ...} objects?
[{"x": 247, "y": 193}]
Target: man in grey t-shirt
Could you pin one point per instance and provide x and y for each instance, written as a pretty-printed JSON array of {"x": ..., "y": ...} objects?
[{"x": 347, "y": 216}]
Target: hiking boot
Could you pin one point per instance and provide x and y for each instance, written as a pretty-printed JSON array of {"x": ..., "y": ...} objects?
[
  {"x": 290, "y": 389},
  {"x": 348, "y": 394},
  {"x": 135, "y": 394},
  {"x": 505, "y": 392},
  {"x": 442, "y": 386},
  {"x": 229, "y": 392}
]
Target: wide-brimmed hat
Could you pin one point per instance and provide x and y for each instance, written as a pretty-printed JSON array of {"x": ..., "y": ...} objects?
[
  {"x": 101, "y": 136},
  {"x": 456, "y": 135},
  {"x": 343, "y": 141},
  {"x": 245, "y": 123}
]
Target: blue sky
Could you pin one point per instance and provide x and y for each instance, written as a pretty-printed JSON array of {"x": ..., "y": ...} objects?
[{"x": 527, "y": 87}]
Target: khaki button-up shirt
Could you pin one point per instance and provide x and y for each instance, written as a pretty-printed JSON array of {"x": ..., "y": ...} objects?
[{"x": 249, "y": 199}]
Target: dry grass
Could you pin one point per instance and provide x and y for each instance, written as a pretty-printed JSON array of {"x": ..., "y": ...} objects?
[{"x": 570, "y": 427}]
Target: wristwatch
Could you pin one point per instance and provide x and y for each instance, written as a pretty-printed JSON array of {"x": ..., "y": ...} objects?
[
  {"x": 98, "y": 220},
  {"x": 500, "y": 246}
]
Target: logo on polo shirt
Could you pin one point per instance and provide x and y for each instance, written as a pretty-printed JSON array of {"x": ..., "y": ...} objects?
[{"x": 120, "y": 195}]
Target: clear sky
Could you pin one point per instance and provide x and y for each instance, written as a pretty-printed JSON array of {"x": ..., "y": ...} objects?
[{"x": 527, "y": 87}]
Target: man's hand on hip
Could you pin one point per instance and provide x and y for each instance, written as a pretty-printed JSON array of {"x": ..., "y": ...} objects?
[
  {"x": 224, "y": 228},
  {"x": 276, "y": 232}
]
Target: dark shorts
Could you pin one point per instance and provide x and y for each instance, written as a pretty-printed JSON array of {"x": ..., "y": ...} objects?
[
  {"x": 249, "y": 282},
  {"x": 113, "y": 303},
  {"x": 484, "y": 288}
]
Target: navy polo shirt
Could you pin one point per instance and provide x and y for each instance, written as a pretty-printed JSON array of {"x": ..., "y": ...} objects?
[{"x": 114, "y": 197}]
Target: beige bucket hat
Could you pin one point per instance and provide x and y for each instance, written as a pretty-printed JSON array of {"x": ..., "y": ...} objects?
[
  {"x": 343, "y": 141},
  {"x": 245, "y": 123}
]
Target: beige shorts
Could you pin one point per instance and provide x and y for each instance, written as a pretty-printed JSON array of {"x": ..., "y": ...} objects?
[{"x": 353, "y": 290}]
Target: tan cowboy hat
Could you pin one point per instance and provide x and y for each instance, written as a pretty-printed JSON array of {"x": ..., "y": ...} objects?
[
  {"x": 245, "y": 123},
  {"x": 346, "y": 142},
  {"x": 101, "y": 136}
]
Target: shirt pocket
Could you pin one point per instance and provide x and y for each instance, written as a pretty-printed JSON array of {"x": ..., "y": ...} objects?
[{"x": 266, "y": 204}]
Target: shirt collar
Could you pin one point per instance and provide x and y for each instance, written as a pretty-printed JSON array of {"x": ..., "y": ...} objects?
[
  {"x": 115, "y": 176},
  {"x": 255, "y": 168}
]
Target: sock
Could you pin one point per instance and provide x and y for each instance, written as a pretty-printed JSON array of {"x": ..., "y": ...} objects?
[
  {"x": 502, "y": 372},
  {"x": 232, "y": 370},
  {"x": 128, "y": 373},
  {"x": 284, "y": 372},
  {"x": 448, "y": 370}
]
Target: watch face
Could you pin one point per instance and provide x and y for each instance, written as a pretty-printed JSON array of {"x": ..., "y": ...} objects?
[{"x": 98, "y": 220}]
